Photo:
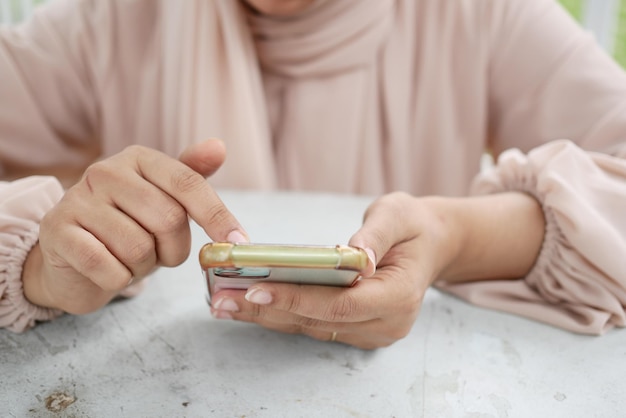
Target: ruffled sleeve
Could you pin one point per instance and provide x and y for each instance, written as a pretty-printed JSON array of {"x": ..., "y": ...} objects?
[
  {"x": 579, "y": 279},
  {"x": 23, "y": 204}
]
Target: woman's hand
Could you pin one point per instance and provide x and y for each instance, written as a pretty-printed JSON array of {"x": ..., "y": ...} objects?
[
  {"x": 410, "y": 239},
  {"x": 417, "y": 241},
  {"x": 126, "y": 216}
]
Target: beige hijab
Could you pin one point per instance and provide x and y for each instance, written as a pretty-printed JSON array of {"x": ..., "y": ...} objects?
[{"x": 325, "y": 72}]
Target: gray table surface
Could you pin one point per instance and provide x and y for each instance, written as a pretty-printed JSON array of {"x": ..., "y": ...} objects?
[{"x": 161, "y": 354}]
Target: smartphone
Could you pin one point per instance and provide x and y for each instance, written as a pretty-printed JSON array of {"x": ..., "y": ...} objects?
[{"x": 238, "y": 266}]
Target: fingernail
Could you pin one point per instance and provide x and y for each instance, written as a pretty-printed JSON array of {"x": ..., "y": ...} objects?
[
  {"x": 258, "y": 296},
  {"x": 236, "y": 236},
  {"x": 371, "y": 255},
  {"x": 226, "y": 304},
  {"x": 222, "y": 315}
]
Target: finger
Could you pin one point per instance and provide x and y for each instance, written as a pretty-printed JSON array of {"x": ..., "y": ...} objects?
[
  {"x": 381, "y": 230},
  {"x": 372, "y": 333},
  {"x": 368, "y": 299},
  {"x": 230, "y": 304},
  {"x": 126, "y": 240},
  {"x": 284, "y": 320},
  {"x": 367, "y": 335},
  {"x": 167, "y": 223},
  {"x": 204, "y": 157},
  {"x": 193, "y": 192},
  {"x": 316, "y": 334},
  {"x": 233, "y": 303},
  {"x": 163, "y": 217},
  {"x": 79, "y": 249}
]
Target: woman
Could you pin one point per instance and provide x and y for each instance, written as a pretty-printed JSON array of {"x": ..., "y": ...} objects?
[{"x": 399, "y": 98}]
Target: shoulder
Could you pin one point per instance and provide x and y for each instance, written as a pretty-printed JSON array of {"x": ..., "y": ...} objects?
[
  {"x": 478, "y": 14},
  {"x": 94, "y": 19}
]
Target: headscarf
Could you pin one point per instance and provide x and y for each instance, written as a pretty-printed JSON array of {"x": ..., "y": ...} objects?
[{"x": 295, "y": 98}]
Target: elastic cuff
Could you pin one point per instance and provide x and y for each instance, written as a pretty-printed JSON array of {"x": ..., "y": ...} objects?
[{"x": 16, "y": 312}]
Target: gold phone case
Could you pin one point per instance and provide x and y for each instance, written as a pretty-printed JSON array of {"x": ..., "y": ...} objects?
[{"x": 238, "y": 266}]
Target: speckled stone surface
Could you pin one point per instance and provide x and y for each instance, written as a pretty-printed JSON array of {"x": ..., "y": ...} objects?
[{"x": 161, "y": 354}]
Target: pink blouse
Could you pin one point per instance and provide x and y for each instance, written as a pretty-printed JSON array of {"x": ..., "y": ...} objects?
[{"x": 384, "y": 94}]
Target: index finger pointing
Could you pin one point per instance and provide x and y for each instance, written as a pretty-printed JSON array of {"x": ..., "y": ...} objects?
[{"x": 191, "y": 190}]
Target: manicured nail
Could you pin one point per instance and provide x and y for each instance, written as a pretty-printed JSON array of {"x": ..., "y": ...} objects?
[
  {"x": 236, "y": 236},
  {"x": 258, "y": 296},
  {"x": 222, "y": 315},
  {"x": 371, "y": 255},
  {"x": 226, "y": 304}
]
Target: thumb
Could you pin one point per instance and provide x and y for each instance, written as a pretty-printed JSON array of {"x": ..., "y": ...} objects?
[
  {"x": 381, "y": 230},
  {"x": 204, "y": 157}
]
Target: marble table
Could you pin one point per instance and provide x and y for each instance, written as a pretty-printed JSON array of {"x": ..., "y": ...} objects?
[{"x": 161, "y": 354}]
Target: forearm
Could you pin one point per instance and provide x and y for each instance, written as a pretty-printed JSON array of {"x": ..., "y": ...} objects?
[{"x": 499, "y": 236}]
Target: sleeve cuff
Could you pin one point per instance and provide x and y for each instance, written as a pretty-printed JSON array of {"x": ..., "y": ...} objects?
[
  {"x": 578, "y": 280},
  {"x": 22, "y": 205}
]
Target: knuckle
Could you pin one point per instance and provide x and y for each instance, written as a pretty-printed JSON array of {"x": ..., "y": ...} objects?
[
  {"x": 134, "y": 149},
  {"x": 95, "y": 177},
  {"x": 90, "y": 259},
  {"x": 140, "y": 252},
  {"x": 390, "y": 206},
  {"x": 176, "y": 257},
  {"x": 89, "y": 180},
  {"x": 396, "y": 202},
  {"x": 294, "y": 302},
  {"x": 305, "y": 323},
  {"x": 218, "y": 215},
  {"x": 344, "y": 309},
  {"x": 257, "y": 311},
  {"x": 173, "y": 218},
  {"x": 186, "y": 180},
  {"x": 252, "y": 310},
  {"x": 97, "y": 171},
  {"x": 102, "y": 171}
]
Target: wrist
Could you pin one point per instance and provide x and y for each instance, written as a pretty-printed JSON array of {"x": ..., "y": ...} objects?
[
  {"x": 496, "y": 236},
  {"x": 32, "y": 282},
  {"x": 447, "y": 235}
]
